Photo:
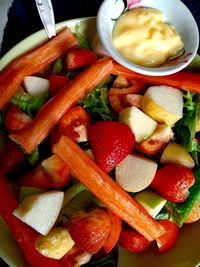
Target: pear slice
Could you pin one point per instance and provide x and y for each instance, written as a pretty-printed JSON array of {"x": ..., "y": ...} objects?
[
  {"x": 40, "y": 211},
  {"x": 175, "y": 153},
  {"x": 135, "y": 173},
  {"x": 163, "y": 103},
  {"x": 142, "y": 125},
  {"x": 36, "y": 86},
  {"x": 151, "y": 201}
]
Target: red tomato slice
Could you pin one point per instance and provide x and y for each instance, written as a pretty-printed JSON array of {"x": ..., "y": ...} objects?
[
  {"x": 57, "y": 82},
  {"x": 133, "y": 241},
  {"x": 115, "y": 231},
  {"x": 15, "y": 119},
  {"x": 166, "y": 241},
  {"x": 75, "y": 124}
]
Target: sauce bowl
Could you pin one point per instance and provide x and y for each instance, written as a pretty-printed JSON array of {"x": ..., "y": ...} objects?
[{"x": 175, "y": 13}]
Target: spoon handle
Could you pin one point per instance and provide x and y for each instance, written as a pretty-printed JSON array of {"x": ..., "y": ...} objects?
[{"x": 46, "y": 13}]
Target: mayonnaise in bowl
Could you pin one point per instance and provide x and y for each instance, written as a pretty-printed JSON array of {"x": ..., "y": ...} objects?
[
  {"x": 142, "y": 36},
  {"x": 162, "y": 38}
]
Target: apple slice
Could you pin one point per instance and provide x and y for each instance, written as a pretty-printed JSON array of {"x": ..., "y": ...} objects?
[
  {"x": 56, "y": 244},
  {"x": 151, "y": 201},
  {"x": 135, "y": 173},
  {"x": 142, "y": 125},
  {"x": 40, "y": 211},
  {"x": 175, "y": 153},
  {"x": 163, "y": 103},
  {"x": 35, "y": 85}
]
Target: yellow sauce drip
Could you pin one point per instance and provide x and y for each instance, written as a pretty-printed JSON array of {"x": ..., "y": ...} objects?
[{"x": 142, "y": 36}]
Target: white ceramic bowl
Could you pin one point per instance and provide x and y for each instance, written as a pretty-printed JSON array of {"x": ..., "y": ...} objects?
[{"x": 175, "y": 13}]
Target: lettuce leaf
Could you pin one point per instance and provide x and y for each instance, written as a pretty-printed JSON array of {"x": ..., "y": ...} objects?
[
  {"x": 83, "y": 42},
  {"x": 185, "y": 129},
  {"x": 97, "y": 104},
  {"x": 179, "y": 212},
  {"x": 27, "y": 103}
]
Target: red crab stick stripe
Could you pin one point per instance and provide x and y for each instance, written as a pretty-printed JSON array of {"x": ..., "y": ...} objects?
[
  {"x": 106, "y": 189},
  {"x": 32, "y": 62},
  {"x": 49, "y": 115},
  {"x": 184, "y": 80},
  {"x": 22, "y": 233}
]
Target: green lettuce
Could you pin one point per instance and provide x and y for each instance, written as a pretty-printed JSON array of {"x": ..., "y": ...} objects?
[
  {"x": 97, "y": 104},
  {"x": 185, "y": 129},
  {"x": 29, "y": 104}
]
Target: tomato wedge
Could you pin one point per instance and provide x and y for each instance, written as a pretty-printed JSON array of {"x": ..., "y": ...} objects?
[
  {"x": 75, "y": 124},
  {"x": 133, "y": 241},
  {"x": 58, "y": 82},
  {"x": 167, "y": 240}
]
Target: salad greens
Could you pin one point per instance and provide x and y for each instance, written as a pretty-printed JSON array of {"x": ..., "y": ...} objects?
[
  {"x": 27, "y": 103},
  {"x": 185, "y": 129},
  {"x": 97, "y": 103}
]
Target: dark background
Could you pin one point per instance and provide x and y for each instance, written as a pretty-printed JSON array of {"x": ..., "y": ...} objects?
[{"x": 23, "y": 19}]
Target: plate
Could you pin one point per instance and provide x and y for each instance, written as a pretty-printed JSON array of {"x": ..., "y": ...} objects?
[{"x": 186, "y": 251}]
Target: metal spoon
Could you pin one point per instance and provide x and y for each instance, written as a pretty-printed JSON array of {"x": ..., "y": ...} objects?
[{"x": 46, "y": 13}]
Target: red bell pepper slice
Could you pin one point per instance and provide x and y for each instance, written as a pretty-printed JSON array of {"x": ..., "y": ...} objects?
[{"x": 22, "y": 233}]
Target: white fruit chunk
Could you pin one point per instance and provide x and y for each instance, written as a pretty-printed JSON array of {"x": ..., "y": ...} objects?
[
  {"x": 135, "y": 173},
  {"x": 35, "y": 85},
  {"x": 56, "y": 244},
  {"x": 151, "y": 201},
  {"x": 40, "y": 211},
  {"x": 163, "y": 103},
  {"x": 175, "y": 153},
  {"x": 142, "y": 125}
]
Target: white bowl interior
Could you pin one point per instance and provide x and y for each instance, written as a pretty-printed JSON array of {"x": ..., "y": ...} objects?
[{"x": 175, "y": 13}]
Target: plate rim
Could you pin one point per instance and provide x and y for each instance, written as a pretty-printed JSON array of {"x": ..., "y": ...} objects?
[{"x": 36, "y": 39}]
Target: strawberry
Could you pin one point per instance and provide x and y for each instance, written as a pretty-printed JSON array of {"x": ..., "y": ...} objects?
[
  {"x": 156, "y": 142},
  {"x": 89, "y": 230},
  {"x": 133, "y": 241},
  {"x": 111, "y": 142},
  {"x": 194, "y": 214},
  {"x": 173, "y": 181},
  {"x": 15, "y": 119},
  {"x": 80, "y": 57},
  {"x": 167, "y": 240}
]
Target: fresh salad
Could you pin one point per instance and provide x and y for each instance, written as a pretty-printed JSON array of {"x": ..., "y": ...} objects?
[{"x": 95, "y": 156}]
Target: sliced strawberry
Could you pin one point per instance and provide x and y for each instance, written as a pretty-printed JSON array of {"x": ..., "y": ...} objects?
[
  {"x": 57, "y": 82},
  {"x": 11, "y": 157},
  {"x": 167, "y": 240},
  {"x": 15, "y": 119},
  {"x": 80, "y": 57},
  {"x": 111, "y": 142},
  {"x": 156, "y": 142},
  {"x": 173, "y": 181},
  {"x": 194, "y": 214},
  {"x": 133, "y": 241},
  {"x": 89, "y": 230},
  {"x": 57, "y": 170}
]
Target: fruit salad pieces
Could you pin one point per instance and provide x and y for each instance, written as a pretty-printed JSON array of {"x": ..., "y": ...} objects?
[{"x": 96, "y": 156}]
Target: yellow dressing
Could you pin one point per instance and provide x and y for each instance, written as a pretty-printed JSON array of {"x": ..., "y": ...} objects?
[{"x": 142, "y": 36}]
